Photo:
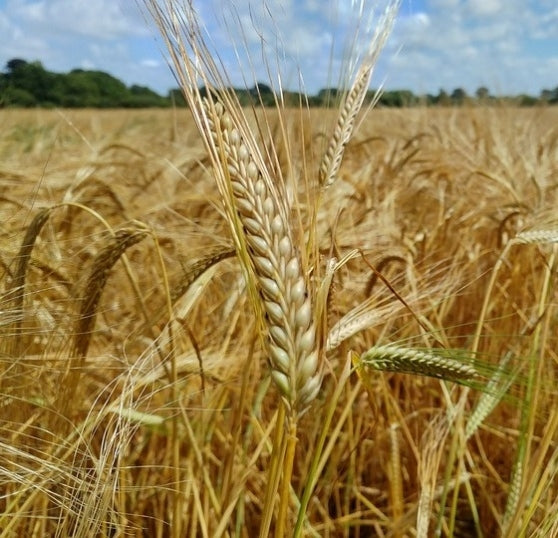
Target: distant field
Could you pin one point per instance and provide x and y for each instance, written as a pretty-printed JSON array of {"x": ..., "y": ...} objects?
[{"x": 128, "y": 343}]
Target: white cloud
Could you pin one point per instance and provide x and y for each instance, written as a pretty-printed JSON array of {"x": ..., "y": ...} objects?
[
  {"x": 16, "y": 42},
  {"x": 304, "y": 36},
  {"x": 475, "y": 42},
  {"x": 483, "y": 8},
  {"x": 101, "y": 19},
  {"x": 150, "y": 63},
  {"x": 443, "y": 4},
  {"x": 547, "y": 25}
]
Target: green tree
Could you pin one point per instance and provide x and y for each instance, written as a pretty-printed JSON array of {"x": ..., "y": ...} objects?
[
  {"x": 329, "y": 97},
  {"x": 527, "y": 100},
  {"x": 17, "y": 97},
  {"x": 482, "y": 93},
  {"x": 30, "y": 84},
  {"x": 550, "y": 96},
  {"x": 144, "y": 97},
  {"x": 398, "y": 98},
  {"x": 458, "y": 96},
  {"x": 443, "y": 99},
  {"x": 30, "y": 77},
  {"x": 176, "y": 97},
  {"x": 76, "y": 89}
]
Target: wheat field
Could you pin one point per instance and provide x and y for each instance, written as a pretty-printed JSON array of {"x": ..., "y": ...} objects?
[{"x": 137, "y": 395}]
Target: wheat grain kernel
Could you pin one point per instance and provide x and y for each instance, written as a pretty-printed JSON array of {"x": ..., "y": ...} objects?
[
  {"x": 270, "y": 287},
  {"x": 303, "y": 315},
  {"x": 252, "y": 171},
  {"x": 260, "y": 245},
  {"x": 307, "y": 340},
  {"x": 264, "y": 265},
  {"x": 245, "y": 207},
  {"x": 282, "y": 382},
  {"x": 277, "y": 225},
  {"x": 298, "y": 291},
  {"x": 279, "y": 336},
  {"x": 252, "y": 225},
  {"x": 259, "y": 187},
  {"x": 275, "y": 312},
  {"x": 280, "y": 358},
  {"x": 308, "y": 366},
  {"x": 243, "y": 153},
  {"x": 285, "y": 247},
  {"x": 292, "y": 271},
  {"x": 269, "y": 207}
]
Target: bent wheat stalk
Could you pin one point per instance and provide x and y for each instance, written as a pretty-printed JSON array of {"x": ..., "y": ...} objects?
[
  {"x": 17, "y": 291},
  {"x": 95, "y": 283}
]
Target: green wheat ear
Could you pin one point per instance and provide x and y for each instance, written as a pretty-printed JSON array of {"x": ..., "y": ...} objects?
[{"x": 404, "y": 360}]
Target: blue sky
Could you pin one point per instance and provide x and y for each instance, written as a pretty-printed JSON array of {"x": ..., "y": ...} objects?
[{"x": 509, "y": 46}]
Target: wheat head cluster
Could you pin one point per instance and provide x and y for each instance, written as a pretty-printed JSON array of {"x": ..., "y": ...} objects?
[{"x": 282, "y": 321}]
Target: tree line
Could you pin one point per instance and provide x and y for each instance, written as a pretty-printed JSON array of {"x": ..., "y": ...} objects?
[{"x": 29, "y": 84}]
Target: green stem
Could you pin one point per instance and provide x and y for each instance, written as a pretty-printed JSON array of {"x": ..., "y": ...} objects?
[
  {"x": 283, "y": 515},
  {"x": 277, "y": 459}
]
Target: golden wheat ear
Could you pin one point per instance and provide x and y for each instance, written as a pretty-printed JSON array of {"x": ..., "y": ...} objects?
[
  {"x": 353, "y": 101},
  {"x": 273, "y": 259},
  {"x": 95, "y": 283},
  {"x": 17, "y": 291}
]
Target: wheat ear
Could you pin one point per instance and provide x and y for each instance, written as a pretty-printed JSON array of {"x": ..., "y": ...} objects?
[
  {"x": 353, "y": 101},
  {"x": 193, "y": 270},
  {"x": 258, "y": 214},
  {"x": 274, "y": 262},
  {"x": 17, "y": 292},
  {"x": 548, "y": 235},
  {"x": 100, "y": 270},
  {"x": 412, "y": 361}
]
